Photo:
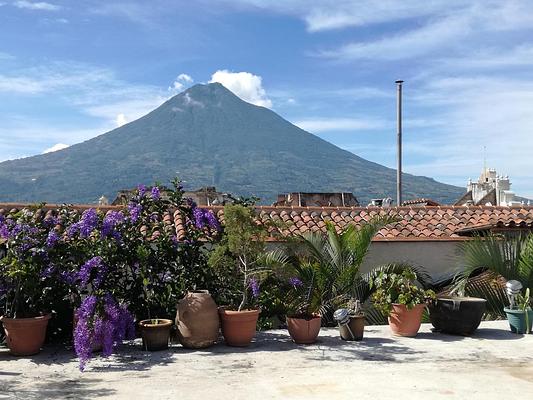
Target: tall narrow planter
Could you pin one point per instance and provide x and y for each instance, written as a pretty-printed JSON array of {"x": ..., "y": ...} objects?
[
  {"x": 155, "y": 336},
  {"x": 304, "y": 330},
  {"x": 457, "y": 315},
  {"x": 517, "y": 320},
  {"x": 405, "y": 322},
  {"x": 238, "y": 327},
  {"x": 25, "y": 336},
  {"x": 197, "y": 320}
]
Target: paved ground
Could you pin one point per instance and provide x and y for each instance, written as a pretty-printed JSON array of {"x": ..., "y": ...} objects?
[{"x": 494, "y": 364}]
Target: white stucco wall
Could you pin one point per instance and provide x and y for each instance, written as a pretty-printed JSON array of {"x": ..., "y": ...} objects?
[{"x": 439, "y": 258}]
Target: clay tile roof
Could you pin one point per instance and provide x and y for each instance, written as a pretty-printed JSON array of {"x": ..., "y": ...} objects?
[{"x": 416, "y": 223}]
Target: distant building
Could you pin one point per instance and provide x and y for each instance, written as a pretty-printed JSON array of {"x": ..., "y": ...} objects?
[
  {"x": 420, "y": 202},
  {"x": 384, "y": 203},
  {"x": 491, "y": 189},
  {"x": 206, "y": 196},
  {"x": 302, "y": 199}
]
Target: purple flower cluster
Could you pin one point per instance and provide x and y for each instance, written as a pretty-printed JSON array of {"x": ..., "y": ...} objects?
[
  {"x": 295, "y": 282},
  {"x": 134, "y": 211},
  {"x": 52, "y": 239},
  {"x": 95, "y": 263},
  {"x": 156, "y": 194},
  {"x": 253, "y": 284},
  {"x": 141, "y": 189},
  {"x": 111, "y": 220},
  {"x": 87, "y": 223},
  {"x": 205, "y": 219},
  {"x": 101, "y": 321}
]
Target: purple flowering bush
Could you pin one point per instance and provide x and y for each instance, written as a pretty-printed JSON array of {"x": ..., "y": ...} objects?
[
  {"x": 161, "y": 265},
  {"x": 27, "y": 271}
]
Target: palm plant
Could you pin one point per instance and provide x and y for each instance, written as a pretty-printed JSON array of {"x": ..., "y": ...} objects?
[
  {"x": 500, "y": 256},
  {"x": 329, "y": 267}
]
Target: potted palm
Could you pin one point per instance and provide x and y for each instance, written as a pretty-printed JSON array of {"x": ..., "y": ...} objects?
[
  {"x": 25, "y": 281},
  {"x": 398, "y": 296},
  {"x": 240, "y": 257},
  {"x": 520, "y": 314},
  {"x": 326, "y": 269}
]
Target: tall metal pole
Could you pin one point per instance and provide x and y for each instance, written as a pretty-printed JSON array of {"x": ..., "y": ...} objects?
[{"x": 399, "y": 169}]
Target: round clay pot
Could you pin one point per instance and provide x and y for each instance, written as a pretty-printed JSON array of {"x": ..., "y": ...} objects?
[
  {"x": 304, "y": 330},
  {"x": 405, "y": 322},
  {"x": 457, "y": 315},
  {"x": 25, "y": 336},
  {"x": 238, "y": 327},
  {"x": 155, "y": 336},
  {"x": 197, "y": 320},
  {"x": 357, "y": 326}
]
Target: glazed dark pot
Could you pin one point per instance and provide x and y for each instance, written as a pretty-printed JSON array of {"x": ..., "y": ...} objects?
[
  {"x": 457, "y": 315},
  {"x": 155, "y": 336}
]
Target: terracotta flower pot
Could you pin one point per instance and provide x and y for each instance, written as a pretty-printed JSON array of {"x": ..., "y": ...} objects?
[
  {"x": 197, "y": 320},
  {"x": 155, "y": 336},
  {"x": 25, "y": 336},
  {"x": 238, "y": 327},
  {"x": 304, "y": 330},
  {"x": 405, "y": 322},
  {"x": 357, "y": 326}
]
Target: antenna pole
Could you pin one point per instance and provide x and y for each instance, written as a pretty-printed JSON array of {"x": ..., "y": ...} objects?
[{"x": 399, "y": 169}]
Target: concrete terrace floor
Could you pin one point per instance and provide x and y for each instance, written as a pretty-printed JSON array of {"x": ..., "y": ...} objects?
[{"x": 493, "y": 364}]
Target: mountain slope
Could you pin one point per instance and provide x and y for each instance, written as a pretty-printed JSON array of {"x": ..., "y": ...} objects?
[{"x": 207, "y": 136}]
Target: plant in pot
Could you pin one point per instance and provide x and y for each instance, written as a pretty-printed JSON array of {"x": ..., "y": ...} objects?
[
  {"x": 351, "y": 320},
  {"x": 240, "y": 261},
  {"x": 26, "y": 286},
  {"x": 163, "y": 267},
  {"x": 520, "y": 314},
  {"x": 398, "y": 296}
]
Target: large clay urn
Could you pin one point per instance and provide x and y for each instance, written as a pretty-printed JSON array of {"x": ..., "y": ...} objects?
[{"x": 197, "y": 320}]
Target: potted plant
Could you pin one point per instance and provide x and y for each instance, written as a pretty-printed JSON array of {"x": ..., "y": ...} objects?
[
  {"x": 520, "y": 316},
  {"x": 398, "y": 296},
  {"x": 457, "y": 315},
  {"x": 163, "y": 266},
  {"x": 26, "y": 286},
  {"x": 351, "y": 321},
  {"x": 326, "y": 269},
  {"x": 240, "y": 258}
]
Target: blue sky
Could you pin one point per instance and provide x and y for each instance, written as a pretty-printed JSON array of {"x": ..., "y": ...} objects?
[{"x": 70, "y": 70}]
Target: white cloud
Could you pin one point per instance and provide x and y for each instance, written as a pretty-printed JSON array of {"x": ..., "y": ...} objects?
[
  {"x": 121, "y": 120},
  {"x": 180, "y": 83},
  {"x": 247, "y": 86},
  {"x": 317, "y": 125},
  {"x": 56, "y": 147},
  {"x": 36, "y": 5}
]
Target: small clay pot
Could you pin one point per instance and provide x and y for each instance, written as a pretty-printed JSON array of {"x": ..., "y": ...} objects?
[
  {"x": 197, "y": 320},
  {"x": 304, "y": 329},
  {"x": 405, "y": 322},
  {"x": 155, "y": 336},
  {"x": 238, "y": 327},
  {"x": 357, "y": 326},
  {"x": 25, "y": 336}
]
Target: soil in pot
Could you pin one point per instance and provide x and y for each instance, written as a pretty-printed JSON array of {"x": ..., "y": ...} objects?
[
  {"x": 405, "y": 322},
  {"x": 457, "y": 315},
  {"x": 304, "y": 329},
  {"x": 357, "y": 327},
  {"x": 238, "y": 327},
  {"x": 517, "y": 320},
  {"x": 25, "y": 336},
  {"x": 155, "y": 333},
  {"x": 197, "y": 320}
]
